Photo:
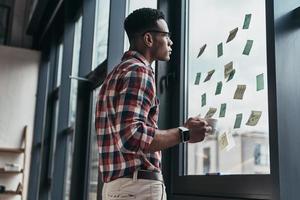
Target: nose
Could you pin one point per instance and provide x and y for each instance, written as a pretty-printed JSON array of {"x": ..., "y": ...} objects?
[{"x": 170, "y": 42}]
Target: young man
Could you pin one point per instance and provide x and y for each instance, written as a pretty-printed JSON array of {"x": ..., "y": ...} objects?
[{"x": 126, "y": 115}]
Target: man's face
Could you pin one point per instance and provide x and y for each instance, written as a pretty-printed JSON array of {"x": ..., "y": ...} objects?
[{"x": 162, "y": 43}]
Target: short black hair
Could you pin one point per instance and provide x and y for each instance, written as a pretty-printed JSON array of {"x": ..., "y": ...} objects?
[{"x": 141, "y": 20}]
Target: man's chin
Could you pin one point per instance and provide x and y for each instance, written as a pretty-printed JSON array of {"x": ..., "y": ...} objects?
[{"x": 166, "y": 58}]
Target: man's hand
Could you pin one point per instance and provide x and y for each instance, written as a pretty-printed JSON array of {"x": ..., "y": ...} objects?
[{"x": 198, "y": 127}]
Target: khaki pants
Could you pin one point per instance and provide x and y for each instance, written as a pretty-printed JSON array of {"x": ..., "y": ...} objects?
[{"x": 132, "y": 188}]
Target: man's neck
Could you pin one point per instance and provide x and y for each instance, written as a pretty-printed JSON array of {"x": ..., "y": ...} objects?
[{"x": 143, "y": 52}]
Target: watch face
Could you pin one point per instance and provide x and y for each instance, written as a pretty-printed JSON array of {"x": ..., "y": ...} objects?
[{"x": 184, "y": 134}]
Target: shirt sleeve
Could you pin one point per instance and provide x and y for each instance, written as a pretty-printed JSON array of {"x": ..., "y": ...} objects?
[{"x": 133, "y": 103}]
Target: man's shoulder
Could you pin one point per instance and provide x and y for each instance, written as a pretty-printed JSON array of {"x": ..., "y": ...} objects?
[{"x": 133, "y": 65}]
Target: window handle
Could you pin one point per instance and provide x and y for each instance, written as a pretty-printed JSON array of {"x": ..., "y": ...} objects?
[{"x": 79, "y": 78}]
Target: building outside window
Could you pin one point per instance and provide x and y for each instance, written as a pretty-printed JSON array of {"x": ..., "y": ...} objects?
[
  {"x": 260, "y": 157},
  {"x": 206, "y": 160}
]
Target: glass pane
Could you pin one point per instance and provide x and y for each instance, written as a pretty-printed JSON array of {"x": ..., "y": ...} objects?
[
  {"x": 54, "y": 121},
  {"x": 227, "y": 72},
  {"x": 73, "y": 101},
  {"x": 75, "y": 67},
  {"x": 101, "y": 32},
  {"x": 133, "y": 5},
  {"x": 94, "y": 153}
]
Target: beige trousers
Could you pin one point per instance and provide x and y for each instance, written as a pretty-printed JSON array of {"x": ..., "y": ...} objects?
[{"x": 132, "y": 188}]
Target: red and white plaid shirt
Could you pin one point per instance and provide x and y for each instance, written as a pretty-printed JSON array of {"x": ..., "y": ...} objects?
[{"x": 126, "y": 119}]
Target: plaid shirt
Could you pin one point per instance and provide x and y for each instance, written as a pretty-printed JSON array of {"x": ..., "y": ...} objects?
[{"x": 126, "y": 119}]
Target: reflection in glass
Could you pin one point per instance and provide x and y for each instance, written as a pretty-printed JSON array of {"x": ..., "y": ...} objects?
[
  {"x": 101, "y": 32},
  {"x": 73, "y": 101},
  {"x": 226, "y": 64}
]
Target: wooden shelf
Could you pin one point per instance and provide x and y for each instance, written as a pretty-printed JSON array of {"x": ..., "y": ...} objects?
[
  {"x": 18, "y": 151},
  {"x": 2, "y": 171},
  {"x": 10, "y": 192},
  {"x": 12, "y": 150}
]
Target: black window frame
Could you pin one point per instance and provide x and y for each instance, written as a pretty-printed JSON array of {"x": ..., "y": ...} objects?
[{"x": 254, "y": 186}]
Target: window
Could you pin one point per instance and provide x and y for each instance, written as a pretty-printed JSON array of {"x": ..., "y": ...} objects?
[
  {"x": 226, "y": 72},
  {"x": 73, "y": 102},
  {"x": 75, "y": 66},
  {"x": 99, "y": 56},
  {"x": 55, "y": 103},
  {"x": 51, "y": 123},
  {"x": 101, "y": 32},
  {"x": 224, "y": 76}
]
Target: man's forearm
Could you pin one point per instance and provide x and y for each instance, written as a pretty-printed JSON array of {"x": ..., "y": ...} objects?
[{"x": 164, "y": 139}]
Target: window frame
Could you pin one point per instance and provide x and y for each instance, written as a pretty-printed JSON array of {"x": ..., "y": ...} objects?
[
  {"x": 6, "y": 23},
  {"x": 254, "y": 186}
]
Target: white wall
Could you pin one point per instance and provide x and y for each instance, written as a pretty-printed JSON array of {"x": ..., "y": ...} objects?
[{"x": 18, "y": 85}]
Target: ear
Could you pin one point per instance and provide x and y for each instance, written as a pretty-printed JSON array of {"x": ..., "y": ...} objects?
[{"x": 148, "y": 40}]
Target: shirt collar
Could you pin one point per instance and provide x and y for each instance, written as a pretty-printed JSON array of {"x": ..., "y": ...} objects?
[{"x": 137, "y": 55}]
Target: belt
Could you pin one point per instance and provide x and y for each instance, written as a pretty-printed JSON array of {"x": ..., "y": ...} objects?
[{"x": 143, "y": 174}]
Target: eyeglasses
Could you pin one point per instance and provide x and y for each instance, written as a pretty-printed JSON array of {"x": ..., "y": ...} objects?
[{"x": 168, "y": 34}]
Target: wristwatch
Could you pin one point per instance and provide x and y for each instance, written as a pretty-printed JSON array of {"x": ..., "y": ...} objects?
[{"x": 184, "y": 134}]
